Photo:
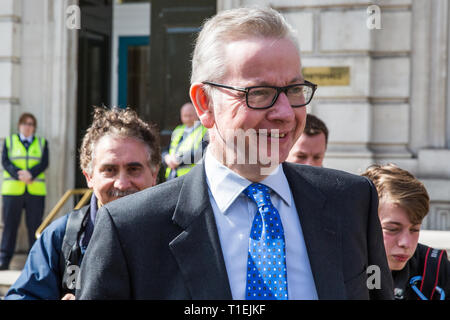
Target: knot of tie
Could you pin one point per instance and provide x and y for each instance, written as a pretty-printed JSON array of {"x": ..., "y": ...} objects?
[
  {"x": 259, "y": 193},
  {"x": 265, "y": 218}
]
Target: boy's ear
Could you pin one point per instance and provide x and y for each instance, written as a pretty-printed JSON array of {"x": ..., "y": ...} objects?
[{"x": 200, "y": 100}]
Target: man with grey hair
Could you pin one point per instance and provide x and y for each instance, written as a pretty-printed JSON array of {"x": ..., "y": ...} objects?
[
  {"x": 245, "y": 226},
  {"x": 119, "y": 155}
]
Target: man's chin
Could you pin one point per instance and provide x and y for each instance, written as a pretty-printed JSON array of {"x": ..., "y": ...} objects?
[{"x": 396, "y": 266}]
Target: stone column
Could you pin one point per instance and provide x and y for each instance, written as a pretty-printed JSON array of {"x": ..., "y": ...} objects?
[
  {"x": 41, "y": 78},
  {"x": 10, "y": 34},
  {"x": 49, "y": 84},
  {"x": 438, "y": 47},
  {"x": 10, "y": 67},
  {"x": 431, "y": 107}
]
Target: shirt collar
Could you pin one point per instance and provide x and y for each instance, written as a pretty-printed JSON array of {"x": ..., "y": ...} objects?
[
  {"x": 89, "y": 227},
  {"x": 94, "y": 206},
  {"x": 226, "y": 185},
  {"x": 23, "y": 138}
]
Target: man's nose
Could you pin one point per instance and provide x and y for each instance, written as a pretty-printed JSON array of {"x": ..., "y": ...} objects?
[
  {"x": 282, "y": 109},
  {"x": 122, "y": 182}
]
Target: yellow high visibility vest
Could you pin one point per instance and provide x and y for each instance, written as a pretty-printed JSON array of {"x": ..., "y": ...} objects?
[
  {"x": 24, "y": 159},
  {"x": 192, "y": 142}
]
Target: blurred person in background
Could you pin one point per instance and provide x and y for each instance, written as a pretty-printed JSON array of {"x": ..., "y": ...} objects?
[
  {"x": 187, "y": 144},
  {"x": 311, "y": 146},
  {"x": 24, "y": 159}
]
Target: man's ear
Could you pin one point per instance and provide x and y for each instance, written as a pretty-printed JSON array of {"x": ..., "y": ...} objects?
[
  {"x": 88, "y": 179},
  {"x": 155, "y": 176},
  {"x": 200, "y": 100}
]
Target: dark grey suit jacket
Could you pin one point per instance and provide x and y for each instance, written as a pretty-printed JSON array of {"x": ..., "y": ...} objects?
[{"x": 162, "y": 243}]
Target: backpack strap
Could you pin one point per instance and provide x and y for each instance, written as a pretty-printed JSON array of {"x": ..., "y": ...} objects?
[
  {"x": 70, "y": 250},
  {"x": 430, "y": 275}
]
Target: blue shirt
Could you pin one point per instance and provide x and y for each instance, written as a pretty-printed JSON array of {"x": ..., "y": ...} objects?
[
  {"x": 23, "y": 138},
  {"x": 41, "y": 276},
  {"x": 234, "y": 214}
]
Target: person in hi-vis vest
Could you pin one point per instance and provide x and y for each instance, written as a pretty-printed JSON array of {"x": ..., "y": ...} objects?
[
  {"x": 24, "y": 160},
  {"x": 187, "y": 144}
]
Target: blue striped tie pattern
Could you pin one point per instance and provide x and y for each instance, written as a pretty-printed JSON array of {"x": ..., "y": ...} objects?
[{"x": 266, "y": 267}]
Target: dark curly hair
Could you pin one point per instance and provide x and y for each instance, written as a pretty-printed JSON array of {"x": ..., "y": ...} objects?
[{"x": 121, "y": 123}]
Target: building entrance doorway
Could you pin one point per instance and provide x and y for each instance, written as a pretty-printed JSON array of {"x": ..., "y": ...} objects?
[
  {"x": 174, "y": 26},
  {"x": 134, "y": 59},
  {"x": 94, "y": 67}
]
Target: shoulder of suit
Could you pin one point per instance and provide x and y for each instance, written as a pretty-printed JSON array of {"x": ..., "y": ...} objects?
[
  {"x": 330, "y": 181},
  {"x": 310, "y": 172}
]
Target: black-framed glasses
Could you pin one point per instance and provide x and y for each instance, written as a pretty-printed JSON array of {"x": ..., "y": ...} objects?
[{"x": 264, "y": 97}]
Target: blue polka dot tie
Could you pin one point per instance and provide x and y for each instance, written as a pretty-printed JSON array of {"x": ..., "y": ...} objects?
[{"x": 266, "y": 267}]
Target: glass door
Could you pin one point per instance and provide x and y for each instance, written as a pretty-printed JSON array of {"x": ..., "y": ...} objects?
[{"x": 134, "y": 60}]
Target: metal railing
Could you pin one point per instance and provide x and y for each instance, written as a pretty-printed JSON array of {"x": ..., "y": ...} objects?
[{"x": 84, "y": 199}]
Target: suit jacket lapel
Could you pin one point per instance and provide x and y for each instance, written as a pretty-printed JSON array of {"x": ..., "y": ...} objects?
[
  {"x": 320, "y": 230},
  {"x": 199, "y": 255},
  {"x": 197, "y": 248}
]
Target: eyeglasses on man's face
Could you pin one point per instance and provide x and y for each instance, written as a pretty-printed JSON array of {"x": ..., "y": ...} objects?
[{"x": 264, "y": 97}]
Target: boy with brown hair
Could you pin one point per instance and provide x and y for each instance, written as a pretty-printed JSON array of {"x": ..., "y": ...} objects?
[{"x": 418, "y": 271}]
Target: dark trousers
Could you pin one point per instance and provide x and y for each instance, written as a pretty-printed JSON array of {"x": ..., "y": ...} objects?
[{"x": 12, "y": 213}]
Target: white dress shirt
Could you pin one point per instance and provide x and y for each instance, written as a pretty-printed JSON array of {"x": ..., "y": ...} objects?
[
  {"x": 234, "y": 214},
  {"x": 23, "y": 138}
]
